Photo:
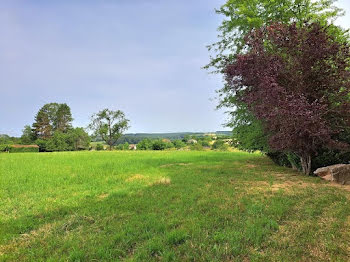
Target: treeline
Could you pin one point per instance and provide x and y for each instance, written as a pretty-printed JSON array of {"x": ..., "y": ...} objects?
[
  {"x": 193, "y": 142},
  {"x": 138, "y": 137},
  {"x": 52, "y": 130}
]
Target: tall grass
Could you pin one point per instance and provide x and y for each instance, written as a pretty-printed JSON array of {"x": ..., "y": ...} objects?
[{"x": 171, "y": 206}]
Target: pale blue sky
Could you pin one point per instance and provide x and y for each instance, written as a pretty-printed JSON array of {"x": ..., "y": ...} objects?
[{"x": 142, "y": 56}]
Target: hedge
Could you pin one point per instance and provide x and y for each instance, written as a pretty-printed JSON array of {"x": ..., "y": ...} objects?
[
  {"x": 23, "y": 149},
  {"x": 13, "y": 149}
]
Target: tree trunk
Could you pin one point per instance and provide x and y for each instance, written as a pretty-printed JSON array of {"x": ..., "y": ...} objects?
[{"x": 306, "y": 164}]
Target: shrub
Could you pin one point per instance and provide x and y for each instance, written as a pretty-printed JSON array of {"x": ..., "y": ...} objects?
[
  {"x": 124, "y": 146},
  {"x": 42, "y": 144},
  {"x": 4, "y": 148},
  {"x": 197, "y": 147},
  {"x": 99, "y": 147},
  {"x": 279, "y": 158},
  {"x": 179, "y": 144},
  {"x": 145, "y": 144},
  {"x": 220, "y": 145},
  {"x": 159, "y": 145},
  {"x": 23, "y": 149}
]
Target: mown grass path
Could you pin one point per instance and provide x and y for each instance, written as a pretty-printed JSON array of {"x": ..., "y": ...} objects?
[{"x": 169, "y": 206}]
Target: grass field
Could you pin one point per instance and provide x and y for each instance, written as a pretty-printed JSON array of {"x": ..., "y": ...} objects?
[{"x": 169, "y": 206}]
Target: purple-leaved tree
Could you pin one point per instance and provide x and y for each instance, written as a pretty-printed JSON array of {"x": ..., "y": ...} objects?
[{"x": 296, "y": 80}]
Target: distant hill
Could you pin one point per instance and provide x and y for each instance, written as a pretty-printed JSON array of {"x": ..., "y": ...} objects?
[{"x": 137, "y": 137}]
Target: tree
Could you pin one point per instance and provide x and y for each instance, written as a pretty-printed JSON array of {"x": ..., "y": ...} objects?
[
  {"x": 296, "y": 81},
  {"x": 42, "y": 126},
  {"x": 63, "y": 118},
  {"x": 109, "y": 125},
  {"x": 58, "y": 142},
  {"x": 145, "y": 144},
  {"x": 179, "y": 144},
  {"x": 159, "y": 144},
  {"x": 28, "y": 137},
  {"x": 78, "y": 139},
  {"x": 242, "y": 16},
  {"x": 50, "y": 118}
]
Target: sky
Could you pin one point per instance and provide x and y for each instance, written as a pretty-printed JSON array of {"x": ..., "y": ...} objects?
[{"x": 143, "y": 57}]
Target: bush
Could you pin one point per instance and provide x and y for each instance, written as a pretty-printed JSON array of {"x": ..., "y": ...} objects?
[
  {"x": 42, "y": 144},
  {"x": 179, "y": 144},
  {"x": 279, "y": 158},
  {"x": 124, "y": 146},
  {"x": 145, "y": 144},
  {"x": 159, "y": 145},
  {"x": 99, "y": 147},
  {"x": 23, "y": 149},
  {"x": 197, "y": 147},
  {"x": 328, "y": 157},
  {"x": 4, "y": 148},
  {"x": 220, "y": 145}
]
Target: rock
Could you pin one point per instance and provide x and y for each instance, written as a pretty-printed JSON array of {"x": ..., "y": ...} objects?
[{"x": 337, "y": 173}]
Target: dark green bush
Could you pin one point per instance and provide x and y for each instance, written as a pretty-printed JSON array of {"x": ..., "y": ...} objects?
[
  {"x": 197, "y": 147},
  {"x": 23, "y": 149},
  {"x": 99, "y": 147},
  {"x": 4, "y": 148},
  {"x": 279, "y": 158},
  {"x": 328, "y": 157},
  {"x": 159, "y": 145},
  {"x": 145, "y": 144}
]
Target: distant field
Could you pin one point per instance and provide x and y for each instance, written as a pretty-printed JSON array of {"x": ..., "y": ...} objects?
[{"x": 169, "y": 206}]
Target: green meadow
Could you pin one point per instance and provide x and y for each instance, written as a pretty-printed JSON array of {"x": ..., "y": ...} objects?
[{"x": 167, "y": 206}]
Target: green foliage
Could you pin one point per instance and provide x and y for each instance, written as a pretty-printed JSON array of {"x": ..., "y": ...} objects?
[
  {"x": 99, "y": 147},
  {"x": 23, "y": 149},
  {"x": 5, "y": 139},
  {"x": 13, "y": 149},
  {"x": 241, "y": 16},
  {"x": 124, "y": 146},
  {"x": 50, "y": 118},
  {"x": 75, "y": 139},
  {"x": 78, "y": 139},
  {"x": 42, "y": 143},
  {"x": 178, "y": 144},
  {"x": 220, "y": 144},
  {"x": 28, "y": 136},
  {"x": 109, "y": 125},
  {"x": 4, "y": 148},
  {"x": 58, "y": 142},
  {"x": 145, "y": 144},
  {"x": 249, "y": 136},
  {"x": 196, "y": 147},
  {"x": 330, "y": 157},
  {"x": 279, "y": 158},
  {"x": 159, "y": 145}
]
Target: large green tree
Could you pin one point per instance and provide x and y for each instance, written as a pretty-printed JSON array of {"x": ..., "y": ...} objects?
[
  {"x": 109, "y": 125},
  {"x": 50, "y": 118},
  {"x": 241, "y": 16}
]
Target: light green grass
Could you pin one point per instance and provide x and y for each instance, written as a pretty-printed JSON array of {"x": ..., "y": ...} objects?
[{"x": 168, "y": 206}]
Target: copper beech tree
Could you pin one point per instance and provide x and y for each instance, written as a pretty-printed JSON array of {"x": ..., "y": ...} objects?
[{"x": 296, "y": 80}]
